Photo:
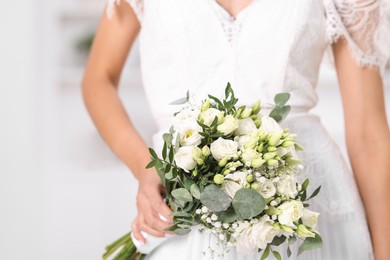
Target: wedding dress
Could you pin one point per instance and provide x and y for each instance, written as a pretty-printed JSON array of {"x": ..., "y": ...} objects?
[{"x": 271, "y": 46}]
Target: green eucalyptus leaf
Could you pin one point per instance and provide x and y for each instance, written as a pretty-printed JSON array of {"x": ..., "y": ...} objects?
[
  {"x": 219, "y": 103},
  {"x": 214, "y": 198},
  {"x": 280, "y": 113},
  {"x": 169, "y": 175},
  {"x": 228, "y": 90},
  {"x": 171, "y": 155},
  {"x": 277, "y": 255},
  {"x": 288, "y": 251},
  {"x": 310, "y": 243},
  {"x": 184, "y": 226},
  {"x": 266, "y": 253},
  {"x": 153, "y": 153},
  {"x": 195, "y": 191},
  {"x": 281, "y": 99},
  {"x": 315, "y": 193},
  {"x": 179, "y": 101},
  {"x": 181, "y": 231},
  {"x": 227, "y": 216},
  {"x": 292, "y": 240},
  {"x": 151, "y": 164},
  {"x": 188, "y": 221},
  {"x": 164, "y": 151},
  {"x": 248, "y": 203},
  {"x": 305, "y": 184},
  {"x": 182, "y": 194},
  {"x": 278, "y": 240},
  {"x": 168, "y": 138},
  {"x": 180, "y": 214},
  {"x": 188, "y": 183}
]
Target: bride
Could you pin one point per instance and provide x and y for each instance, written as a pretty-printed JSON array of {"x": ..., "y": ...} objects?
[{"x": 262, "y": 47}]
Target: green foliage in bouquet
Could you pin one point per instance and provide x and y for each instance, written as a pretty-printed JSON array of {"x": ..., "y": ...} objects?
[{"x": 214, "y": 173}]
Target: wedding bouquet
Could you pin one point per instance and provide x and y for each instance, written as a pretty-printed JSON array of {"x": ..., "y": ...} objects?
[{"x": 234, "y": 172}]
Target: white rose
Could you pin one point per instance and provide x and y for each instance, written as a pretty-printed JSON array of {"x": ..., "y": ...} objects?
[
  {"x": 245, "y": 127},
  {"x": 222, "y": 148},
  {"x": 291, "y": 211},
  {"x": 242, "y": 140},
  {"x": 267, "y": 189},
  {"x": 287, "y": 186},
  {"x": 263, "y": 233},
  {"x": 185, "y": 116},
  {"x": 207, "y": 117},
  {"x": 228, "y": 126},
  {"x": 249, "y": 155},
  {"x": 233, "y": 182},
  {"x": 269, "y": 125},
  {"x": 245, "y": 242},
  {"x": 310, "y": 218},
  {"x": 189, "y": 134},
  {"x": 183, "y": 158}
]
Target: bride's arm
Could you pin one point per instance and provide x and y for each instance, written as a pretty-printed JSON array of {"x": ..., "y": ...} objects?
[
  {"x": 112, "y": 43},
  {"x": 368, "y": 142}
]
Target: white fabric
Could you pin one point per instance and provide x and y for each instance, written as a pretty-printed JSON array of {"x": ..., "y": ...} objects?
[{"x": 270, "y": 47}]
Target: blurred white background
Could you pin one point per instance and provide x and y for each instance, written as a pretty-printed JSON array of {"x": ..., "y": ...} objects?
[{"x": 63, "y": 194}]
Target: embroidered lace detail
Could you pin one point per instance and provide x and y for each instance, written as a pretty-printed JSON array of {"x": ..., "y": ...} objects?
[
  {"x": 365, "y": 25},
  {"x": 232, "y": 27},
  {"x": 137, "y": 5}
]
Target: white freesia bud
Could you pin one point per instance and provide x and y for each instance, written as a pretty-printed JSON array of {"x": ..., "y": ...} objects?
[
  {"x": 207, "y": 117},
  {"x": 245, "y": 127},
  {"x": 303, "y": 232},
  {"x": 256, "y": 107},
  {"x": 218, "y": 179},
  {"x": 205, "y": 105},
  {"x": 183, "y": 158},
  {"x": 228, "y": 126},
  {"x": 267, "y": 189},
  {"x": 189, "y": 134},
  {"x": 291, "y": 211},
  {"x": 246, "y": 113},
  {"x": 242, "y": 140},
  {"x": 184, "y": 117},
  {"x": 206, "y": 151},
  {"x": 197, "y": 153},
  {"x": 287, "y": 186},
  {"x": 274, "y": 139},
  {"x": 256, "y": 163},
  {"x": 249, "y": 155},
  {"x": 310, "y": 218},
  {"x": 222, "y": 148},
  {"x": 269, "y": 125}
]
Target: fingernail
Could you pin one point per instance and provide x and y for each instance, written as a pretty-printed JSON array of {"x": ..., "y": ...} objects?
[
  {"x": 169, "y": 235},
  {"x": 142, "y": 242}
]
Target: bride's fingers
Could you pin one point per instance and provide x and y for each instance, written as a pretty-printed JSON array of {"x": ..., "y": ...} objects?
[
  {"x": 161, "y": 207},
  {"x": 137, "y": 232},
  {"x": 150, "y": 230},
  {"x": 157, "y": 223}
]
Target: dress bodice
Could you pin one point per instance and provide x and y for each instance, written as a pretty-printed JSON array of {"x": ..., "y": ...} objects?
[{"x": 270, "y": 47}]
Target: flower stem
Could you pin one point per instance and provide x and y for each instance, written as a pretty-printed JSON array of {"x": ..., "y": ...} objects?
[{"x": 110, "y": 249}]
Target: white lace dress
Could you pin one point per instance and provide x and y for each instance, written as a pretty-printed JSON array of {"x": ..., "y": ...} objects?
[{"x": 271, "y": 46}]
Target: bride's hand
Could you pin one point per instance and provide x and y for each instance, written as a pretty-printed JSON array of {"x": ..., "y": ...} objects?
[{"x": 151, "y": 206}]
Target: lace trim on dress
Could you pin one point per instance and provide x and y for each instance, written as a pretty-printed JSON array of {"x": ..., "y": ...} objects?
[
  {"x": 137, "y": 5},
  {"x": 365, "y": 26}
]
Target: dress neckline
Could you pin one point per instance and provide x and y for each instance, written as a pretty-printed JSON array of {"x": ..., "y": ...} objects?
[
  {"x": 231, "y": 26},
  {"x": 228, "y": 15}
]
